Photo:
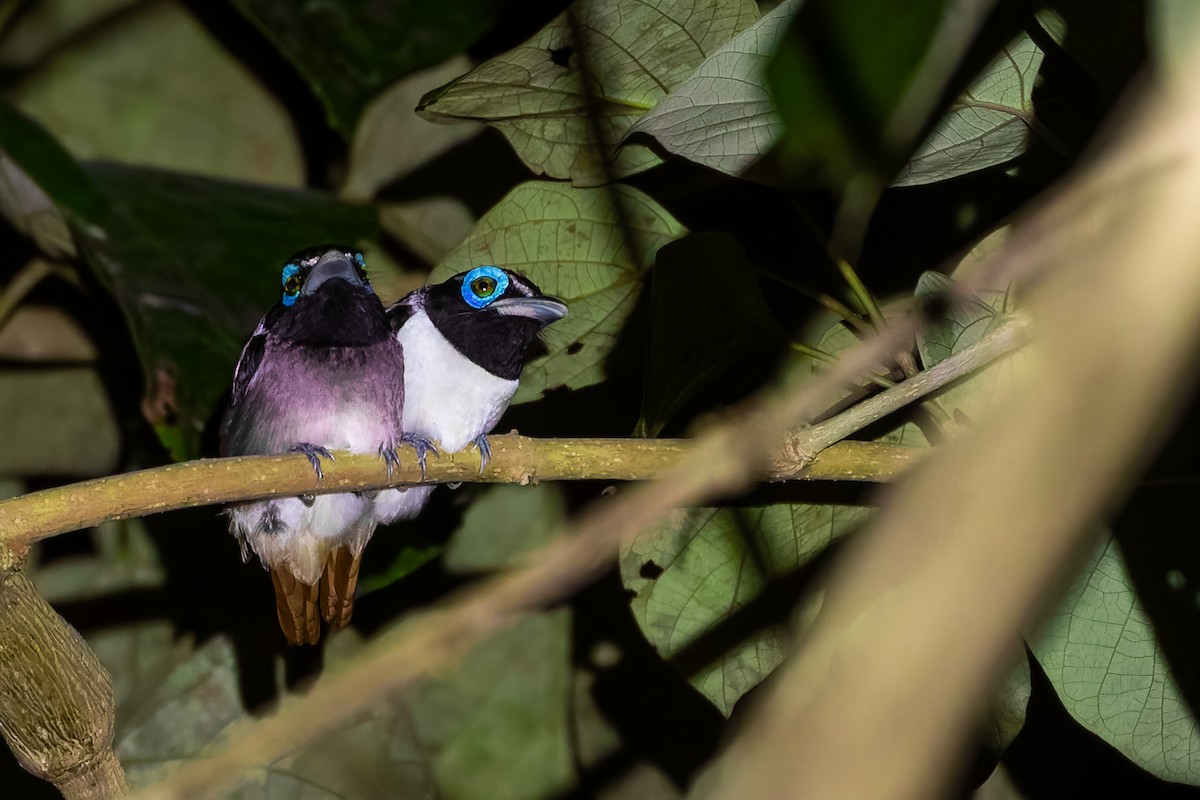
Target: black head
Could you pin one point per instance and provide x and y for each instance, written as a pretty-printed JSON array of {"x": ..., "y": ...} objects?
[
  {"x": 327, "y": 301},
  {"x": 490, "y": 315}
]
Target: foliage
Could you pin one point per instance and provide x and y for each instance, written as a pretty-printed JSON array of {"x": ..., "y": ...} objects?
[{"x": 674, "y": 170}]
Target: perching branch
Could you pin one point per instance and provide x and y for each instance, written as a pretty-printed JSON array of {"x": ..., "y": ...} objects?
[{"x": 814, "y": 453}]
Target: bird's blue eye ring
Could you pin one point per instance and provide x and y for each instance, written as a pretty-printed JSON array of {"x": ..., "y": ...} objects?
[
  {"x": 360, "y": 266},
  {"x": 482, "y": 285},
  {"x": 291, "y": 283}
]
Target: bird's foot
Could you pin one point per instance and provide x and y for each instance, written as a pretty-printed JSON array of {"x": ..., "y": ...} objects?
[
  {"x": 314, "y": 453},
  {"x": 485, "y": 451},
  {"x": 387, "y": 451},
  {"x": 423, "y": 447}
]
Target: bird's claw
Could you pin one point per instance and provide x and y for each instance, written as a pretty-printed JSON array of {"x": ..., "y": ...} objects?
[
  {"x": 314, "y": 453},
  {"x": 485, "y": 451},
  {"x": 423, "y": 447},
  {"x": 387, "y": 451}
]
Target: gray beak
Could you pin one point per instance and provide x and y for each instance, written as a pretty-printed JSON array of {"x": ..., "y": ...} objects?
[
  {"x": 332, "y": 266},
  {"x": 541, "y": 309}
]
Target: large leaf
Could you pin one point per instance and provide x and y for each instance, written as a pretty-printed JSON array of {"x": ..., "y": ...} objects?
[
  {"x": 990, "y": 123},
  {"x": 498, "y": 726},
  {"x": 57, "y": 422},
  {"x": 157, "y": 89},
  {"x": 843, "y": 70},
  {"x": 503, "y": 525},
  {"x": 637, "y": 53},
  {"x": 194, "y": 263},
  {"x": 709, "y": 320},
  {"x": 350, "y": 51},
  {"x": 494, "y": 727},
  {"x": 33, "y": 155},
  {"x": 569, "y": 242},
  {"x": 391, "y": 139},
  {"x": 701, "y": 566},
  {"x": 722, "y": 116},
  {"x": 1099, "y": 650}
]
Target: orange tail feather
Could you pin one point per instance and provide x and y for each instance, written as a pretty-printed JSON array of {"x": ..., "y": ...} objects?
[
  {"x": 337, "y": 586},
  {"x": 296, "y": 606}
]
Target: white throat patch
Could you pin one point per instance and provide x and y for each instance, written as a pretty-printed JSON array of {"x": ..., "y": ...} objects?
[{"x": 447, "y": 397}]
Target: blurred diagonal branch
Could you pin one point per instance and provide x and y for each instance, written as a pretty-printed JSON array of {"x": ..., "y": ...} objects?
[{"x": 923, "y": 610}]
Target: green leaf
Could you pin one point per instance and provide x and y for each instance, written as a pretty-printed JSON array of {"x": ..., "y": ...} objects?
[
  {"x": 41, "y": 159},
  {"x": 502, "y": 525},
  {"x": 57, "y": 422},
  {"x": 1099, "y": 650},
  {"x": 840, "y": 75},
  {"x": 708, "y": 319},
  {"x": 375, "y": 158},
  {"x": 156, "y": 89},
  {"x": 568, "y": 241},
  {"x": 498, "y": 726},
  {"x": 722, "y": 116},
  {"x": 963, "y": 324},
  {"x": 194, "y": 264},
  {"x": 352, "y": 50},
  {"x": 495, "y": 726},
  {"x": 990, "y": 123},
  {"x": 697, "y": 569},
  {"x": 637, "y": 53},
  {"x": 407, "y": 561}
]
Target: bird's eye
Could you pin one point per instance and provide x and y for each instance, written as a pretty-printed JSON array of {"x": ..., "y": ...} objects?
[
  {"x": 482, "y": 285},
  {"x": 291, "y": 283}
]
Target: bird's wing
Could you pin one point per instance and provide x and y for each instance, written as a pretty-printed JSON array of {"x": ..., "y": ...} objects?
[
  {"x": 399, "y": 311},
  {"x": 252, "y": 356}
]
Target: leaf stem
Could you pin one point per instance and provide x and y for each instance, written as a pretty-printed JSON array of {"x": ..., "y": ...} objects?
[
  {"x": 861, "y": 293},
  {"x": 825, "y": 358},
  {"x": 27, "y": 277}
]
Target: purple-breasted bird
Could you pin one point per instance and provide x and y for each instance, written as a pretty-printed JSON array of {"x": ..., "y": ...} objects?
[
  {"x": 465, "y": 341},
  {"x": 322, "y": 372}
]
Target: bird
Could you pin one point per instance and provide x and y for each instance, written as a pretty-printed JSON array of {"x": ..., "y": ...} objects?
[
  {"x": 323, "y": 371},
  {"x": 465, "y": 342}
]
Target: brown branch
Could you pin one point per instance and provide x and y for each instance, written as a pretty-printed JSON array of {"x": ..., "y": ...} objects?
[
  {"x": 515, "y": 459},
  {"x": 815, "y": 453},
  {"x": 56, "y": 701}
]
